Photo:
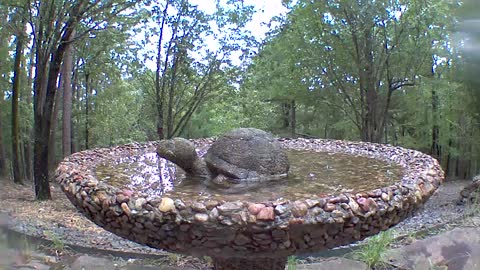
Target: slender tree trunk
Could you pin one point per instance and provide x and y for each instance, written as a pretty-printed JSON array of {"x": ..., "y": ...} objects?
[
  {"x": 159, "y": 93},
  {"x": 18, "y": 176},
  {"x": 435, "y": 147},
  {"x": 52, "y": 147},
  {"x": 171, "y": 94},
  {"x": 28, "y": 129},
  {"x": 4, "y": 36},
  {"x": 87, "y": 108},
  {"x": 3, "y": 158},
  {"x": 46, "y": 74},
  {"x": 67, "y": 101},
  {"x": 286, "y": 110},
  {"x": 76, "y": 104},
  {"x": 293, "y": 121}
]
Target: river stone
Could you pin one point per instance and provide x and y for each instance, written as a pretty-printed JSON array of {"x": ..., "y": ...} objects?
[
  {"x": 199, "y": 207},
  {"x": 299, "y": 209},
  {"x": 139, "y": 203},
  {"x": 255, "y": 208},
  {"x": 166, "y": 205},
  {"x": 126, "y": 209},
  {"x": 200, "y": 217},
  {"x": 266, "y": 214},
  {"x": 247, "y": 153},
  {"x": 229, "y": 207}
]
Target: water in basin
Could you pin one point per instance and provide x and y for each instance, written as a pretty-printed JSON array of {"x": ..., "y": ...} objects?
[{"x": 316, "y": 173}]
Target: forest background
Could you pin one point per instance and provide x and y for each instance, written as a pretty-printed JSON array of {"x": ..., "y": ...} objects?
[{"x": 81, "y": 74}]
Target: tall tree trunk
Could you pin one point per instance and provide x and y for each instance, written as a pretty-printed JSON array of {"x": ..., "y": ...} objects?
[
  {"x": 18, "y": 176},
  {"x": 171, "y": 94},
  {"x": 67, "y": 101},
  {"x": 286, "y": 110},
  {"x": 4, "y": 36},
  {"x": 78, "y": 105},
  {"x": 3, "y": 158},
  {"x": 159, "y": 93},
  {"x": 87, "y": 109},
  {"x": 435, "y": 146},
  {"x": 52, "y": 142},
  {"x": 293, "y": 119},
  {"x": 46, "y": 74},
  {"x": 28, "y": 129}
]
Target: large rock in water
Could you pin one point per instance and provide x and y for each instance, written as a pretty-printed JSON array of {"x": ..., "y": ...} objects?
[{"x": 247, "y": 154}]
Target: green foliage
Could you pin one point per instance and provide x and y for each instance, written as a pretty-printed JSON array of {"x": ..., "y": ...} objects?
[
  {"x": 57, "y": 245},
  {"x": 373, "y": 251},
  {"x": 116, "y": 114},
  {"x": 292, "y": 263}
]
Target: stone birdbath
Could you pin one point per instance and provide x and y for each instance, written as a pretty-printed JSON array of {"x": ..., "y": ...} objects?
[{"x": 249, "y": 232}]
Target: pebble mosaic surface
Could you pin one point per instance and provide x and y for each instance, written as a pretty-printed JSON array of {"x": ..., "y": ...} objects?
[{"x": 235, "y": 228}]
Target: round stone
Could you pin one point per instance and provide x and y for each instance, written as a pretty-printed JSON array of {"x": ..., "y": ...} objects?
[
  {"x": 139, "y": 203},
  {"x": 201, "y": 217},
  {"x": 255, "y": 208},
  {"x": 199, "y": 207},
  {"x": 299, "y": 209},
  {"x": 166, "y": 205},
  {"x": 126, "y": 209}
]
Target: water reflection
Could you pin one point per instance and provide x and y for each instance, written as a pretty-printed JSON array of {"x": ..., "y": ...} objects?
[{"x": 310, "y": 173}]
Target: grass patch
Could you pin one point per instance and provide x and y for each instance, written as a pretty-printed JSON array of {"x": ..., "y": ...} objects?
[
  {"x": 373, "y": 252},
  {"x": 57, "y": 246},
  {"x": 292, "y": 263}
]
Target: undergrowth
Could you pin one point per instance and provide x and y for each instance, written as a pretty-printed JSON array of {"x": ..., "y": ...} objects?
[
  {"x": 373, "y": 252},
  {"x": 292, "y": 263}
]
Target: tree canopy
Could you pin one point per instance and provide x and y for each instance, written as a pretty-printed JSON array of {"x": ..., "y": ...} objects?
[{"x": 81, "y": 74}]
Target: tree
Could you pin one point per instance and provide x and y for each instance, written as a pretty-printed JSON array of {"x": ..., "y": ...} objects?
[
  {"x": 3, "y": 158},
  {"x": 3, "y": 64},
  {"x": 365, "y": 52},
  {"x": 187, "y": 72},
  {"x": 67, "y": 70},
  {"x": 18, "y": 176},
  {"x": 52, "y": 41}
]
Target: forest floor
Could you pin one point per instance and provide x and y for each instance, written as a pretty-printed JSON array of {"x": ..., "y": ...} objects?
[{"x": 69, "y": 232}]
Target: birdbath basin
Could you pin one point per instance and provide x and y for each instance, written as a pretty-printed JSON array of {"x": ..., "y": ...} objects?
[{"x": 240, "y": 230}]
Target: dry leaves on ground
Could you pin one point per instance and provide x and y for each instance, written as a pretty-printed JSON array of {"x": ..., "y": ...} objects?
[{"x": 19, "y": 201}]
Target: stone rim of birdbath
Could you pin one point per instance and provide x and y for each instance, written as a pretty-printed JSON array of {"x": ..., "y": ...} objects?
[{"x": 260, "y": 232}]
